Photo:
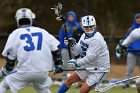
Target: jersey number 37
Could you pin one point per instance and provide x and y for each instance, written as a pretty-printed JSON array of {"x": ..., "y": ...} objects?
[{"x": 29, "y": 40}]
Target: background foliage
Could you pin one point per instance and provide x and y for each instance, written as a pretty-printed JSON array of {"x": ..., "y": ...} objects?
[{"x": 113, "y": 16}]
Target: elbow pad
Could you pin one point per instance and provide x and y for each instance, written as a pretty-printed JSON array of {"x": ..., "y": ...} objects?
[
  {"x": 57, "y": 57},
  {"x": 9, "y": 66}
]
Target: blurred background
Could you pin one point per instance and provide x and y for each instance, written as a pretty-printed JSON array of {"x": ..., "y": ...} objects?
[{"x": 113, "y": 18}]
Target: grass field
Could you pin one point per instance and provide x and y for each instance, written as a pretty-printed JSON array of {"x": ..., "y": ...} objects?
[
  {"x": 76, "y": 90},
  {"x": 114, "y": 73}
]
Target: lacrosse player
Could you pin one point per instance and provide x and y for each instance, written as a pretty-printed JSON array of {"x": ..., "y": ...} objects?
[
  {"x": 133, "y": 54},
  {"x": 122, "y": 47},
  {"x": 33, "y": 48},
  {"x": 93, "y": 52},
  {"x": 72, "y": 26},
  {"x": 134, "y": 35}
]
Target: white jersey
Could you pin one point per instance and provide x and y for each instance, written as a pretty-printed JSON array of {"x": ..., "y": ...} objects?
[
  {"x": 32, "y": 47},
  {"x": 134, "y": 35},
  {"x": 93, "y": 51}
]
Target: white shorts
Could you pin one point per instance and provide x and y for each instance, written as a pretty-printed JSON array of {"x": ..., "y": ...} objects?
[
  {"x": 40, "y": 81},
  {"x": 92, "y": 79}
]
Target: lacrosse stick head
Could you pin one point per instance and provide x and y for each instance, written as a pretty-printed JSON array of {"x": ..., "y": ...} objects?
[
  {"x": 58, "y": 18},
  {"x": 58, "y": 9}
]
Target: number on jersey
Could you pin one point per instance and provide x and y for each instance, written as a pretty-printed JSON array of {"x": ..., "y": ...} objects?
[{"x": 29, "y": 40}]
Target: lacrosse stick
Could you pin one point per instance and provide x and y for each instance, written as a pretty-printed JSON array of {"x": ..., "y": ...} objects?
[
  {"x": 58, "y": 11},
  {"x": 110, "y": 85},
  {"x": 90, "y": 69}
]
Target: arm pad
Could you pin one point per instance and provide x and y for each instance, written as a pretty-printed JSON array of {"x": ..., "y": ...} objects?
[
  {"x": 9, "y": 66},
  {"x": 57, "y": 57}
]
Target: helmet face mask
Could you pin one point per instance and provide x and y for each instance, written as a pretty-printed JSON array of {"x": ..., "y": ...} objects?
[
  {"x": 24, "y": 13},
  {"x": 88, "y": 25}
]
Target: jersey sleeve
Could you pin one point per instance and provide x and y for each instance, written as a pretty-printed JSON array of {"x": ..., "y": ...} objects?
[
  {"x": 91, "y": 54},
  {"x": 76, "y": 49},
  {"x": 54, "y": 43},
  {"x": 10, "y": 48},
  {"x": 134, "y": 35}
]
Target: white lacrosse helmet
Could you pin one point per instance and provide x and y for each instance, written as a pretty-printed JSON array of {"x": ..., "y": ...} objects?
[
  {"x": 24, "y": 13},
  {"x": 88, "y": 24}
]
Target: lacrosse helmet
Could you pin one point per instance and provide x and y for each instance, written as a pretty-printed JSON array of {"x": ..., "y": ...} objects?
[
  {"x": 88, "y": 24},
  {"x": 24, "y": 13}
]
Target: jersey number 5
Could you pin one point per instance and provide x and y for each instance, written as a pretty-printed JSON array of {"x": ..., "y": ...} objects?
[{"x": 30, "y": 44}]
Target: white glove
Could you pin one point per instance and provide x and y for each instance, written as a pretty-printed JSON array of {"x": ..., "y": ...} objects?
[
  {"x": 118, "y": 55},
  {"x": 72, "y": 63},
  {"x": 65, "y": 41},
  {"x": 120, "y": 48}
]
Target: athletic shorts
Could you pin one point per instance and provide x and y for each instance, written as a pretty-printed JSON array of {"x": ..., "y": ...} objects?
[
  {"x": 40, "y": 81},
  {"x": 92, "y": 79}
]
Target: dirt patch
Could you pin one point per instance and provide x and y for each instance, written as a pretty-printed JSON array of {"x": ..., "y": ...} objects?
[{"x": 119, "y": 71}]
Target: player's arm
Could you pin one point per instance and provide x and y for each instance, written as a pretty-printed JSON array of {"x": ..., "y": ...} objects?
[
  {"x": 10, "y": 49},
  {"x": 134, "y": 35},
  {"x": 75, "y": 47},
  {"x": 8, "y": 67},
  {"x": 57, "y": 57},
  {"x": 122, "y": 46},
  {"x": 57, "y": 61},
  {"x": 91, "y": 54},
  {"x": 9, "y": 53},
  {"x": 55, "y": 50},
  {"x": 56, "y": 54},
  {"x": 76, "y": 50}
]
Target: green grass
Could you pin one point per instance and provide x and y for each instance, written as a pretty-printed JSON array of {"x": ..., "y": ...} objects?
[{"x": 76, "y": 90}]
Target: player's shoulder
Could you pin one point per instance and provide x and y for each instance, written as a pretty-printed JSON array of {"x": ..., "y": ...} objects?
[
  {"x": 32, "y": 28},
  {"x": 14, "y": 32},
  {"x": 98, "y": 37},
  {"x": 39, "y": 29},
  {"x": 137, "y": 30},
  {"x": 83, "y": 35}
]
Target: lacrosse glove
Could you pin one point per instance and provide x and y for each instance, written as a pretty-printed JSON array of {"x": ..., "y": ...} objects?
[
  {"x": 70, "y": 41},
  {"x": 121, "y": 49},
  {"x": 3, "y": 72},
  {"x": 72, "y": 63},
  {"x": 57, "y": 69}
]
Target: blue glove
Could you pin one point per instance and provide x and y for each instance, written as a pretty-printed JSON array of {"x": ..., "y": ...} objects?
[
  {"x": 57, "y": 69},
  {"x": 72, "y": 63}
]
